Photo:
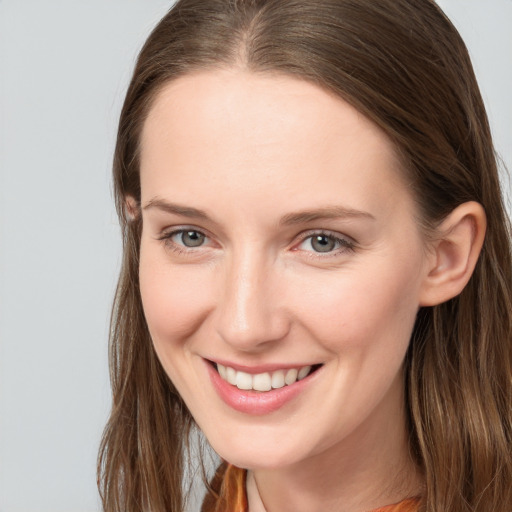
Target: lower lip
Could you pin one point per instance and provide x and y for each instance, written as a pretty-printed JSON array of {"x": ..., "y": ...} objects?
[{"x": 257, "y": 402}]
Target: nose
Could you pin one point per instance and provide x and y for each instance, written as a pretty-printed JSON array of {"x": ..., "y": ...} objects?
[{"x": 250, "y": 313}]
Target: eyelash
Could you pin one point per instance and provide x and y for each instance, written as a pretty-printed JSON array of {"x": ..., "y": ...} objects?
[
  {"x": 343, "y": 244},
  {"x": 166, "y": 238}
]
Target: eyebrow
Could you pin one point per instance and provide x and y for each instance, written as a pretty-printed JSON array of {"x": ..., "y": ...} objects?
[
  {"x": 176, "y": 209},
  {"x": 329, "y": 212},
  {"x": 302, "y": 217}
]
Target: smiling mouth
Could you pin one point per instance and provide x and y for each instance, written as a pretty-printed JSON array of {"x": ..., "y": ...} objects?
[{"x": 265, "y": 381}]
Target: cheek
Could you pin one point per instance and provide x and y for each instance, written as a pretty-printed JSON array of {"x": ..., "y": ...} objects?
[
  {"x": 175, "y": 298},
  {"x": 355, "y": 311}
]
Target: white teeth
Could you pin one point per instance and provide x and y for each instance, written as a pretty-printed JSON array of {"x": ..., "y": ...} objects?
[
  {"x": 231, "y": 375},
  {"x": 243, "y": 380},
  {"x": 263, "y": 381},
  {"x": 303, "y": 372},
  {"x": 222, "y": 371},
  {"x": 278, "y": 379},
  {"x": 291, "y": 376}
]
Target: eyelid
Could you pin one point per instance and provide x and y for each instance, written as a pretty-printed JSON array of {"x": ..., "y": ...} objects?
[
  {"x": 172, "y": 230},
  {"x": 167, "y": 234},
  {"x": 347, "y": 243}
]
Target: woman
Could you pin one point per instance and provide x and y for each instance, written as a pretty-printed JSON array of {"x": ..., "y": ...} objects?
[{"x": 317, "y": 265}]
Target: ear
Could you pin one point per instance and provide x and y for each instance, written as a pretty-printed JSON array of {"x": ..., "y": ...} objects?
[
  {"x": 454, "y": 254},
  {"x": 131, "y": 208}
]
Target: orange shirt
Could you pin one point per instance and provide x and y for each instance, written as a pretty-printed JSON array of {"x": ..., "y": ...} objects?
[{"x": 228, "y": 494}]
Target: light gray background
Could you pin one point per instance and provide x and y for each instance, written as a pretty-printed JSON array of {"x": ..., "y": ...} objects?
[{"x": 64, "y": 66}]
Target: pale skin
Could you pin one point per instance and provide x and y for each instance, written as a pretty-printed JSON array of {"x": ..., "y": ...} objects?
[{"x": 278, "y": 230}]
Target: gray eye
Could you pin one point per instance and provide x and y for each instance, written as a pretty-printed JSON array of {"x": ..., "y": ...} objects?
[
  {"x": 323, "y": 243},
  {"x": 192, "y": 238}
]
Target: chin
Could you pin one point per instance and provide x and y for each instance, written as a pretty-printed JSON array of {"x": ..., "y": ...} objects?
[{"x": 253, "y": 453}]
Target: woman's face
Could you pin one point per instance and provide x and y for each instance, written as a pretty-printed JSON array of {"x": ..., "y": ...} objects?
[{"x": 279, "y": 242}]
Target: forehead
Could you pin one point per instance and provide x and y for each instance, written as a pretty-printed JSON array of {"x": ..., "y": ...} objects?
[
  {"x": 261, "y": 107},
  {"x": 249, "y": 131}
]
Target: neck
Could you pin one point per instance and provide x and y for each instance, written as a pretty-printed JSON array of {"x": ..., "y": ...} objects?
[{"x": 369, "y": 469}]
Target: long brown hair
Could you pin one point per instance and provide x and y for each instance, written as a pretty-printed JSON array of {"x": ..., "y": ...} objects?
[{"x": 403, "y": 65}]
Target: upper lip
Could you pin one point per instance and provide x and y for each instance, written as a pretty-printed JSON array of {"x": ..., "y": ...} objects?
[{"x": 260, "y": 368}]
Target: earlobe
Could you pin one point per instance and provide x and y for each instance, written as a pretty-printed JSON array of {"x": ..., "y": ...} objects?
[
  {"x": 131, "y": 208},
  {"x": 454, "y": 253}
]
